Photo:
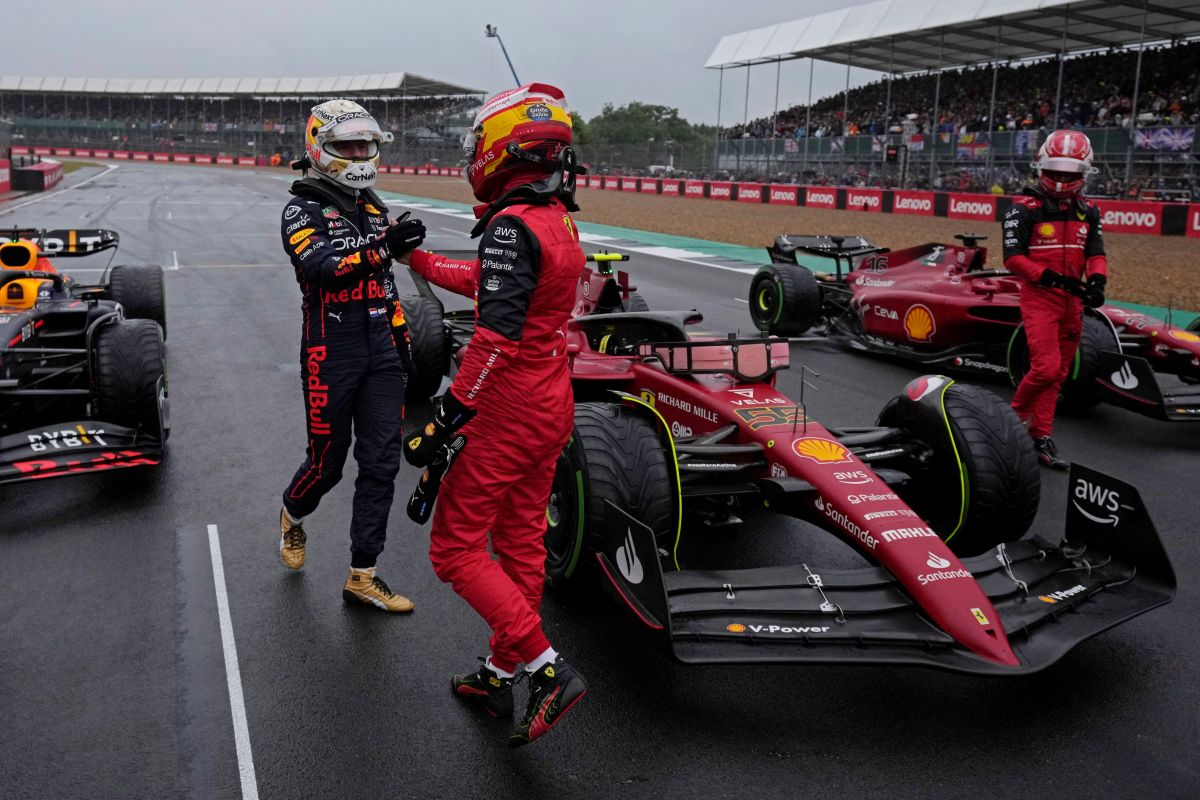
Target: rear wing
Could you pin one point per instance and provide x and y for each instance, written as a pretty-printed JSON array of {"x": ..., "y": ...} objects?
[{"x": 66, "y": 242}]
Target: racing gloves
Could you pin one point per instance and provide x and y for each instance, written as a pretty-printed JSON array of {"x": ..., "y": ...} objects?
[
  {"x": 1056, "y": 280},
  {"x": 420, "y": 504},
  {"x": 404, "y": 235},
  {"x": 422, "y": 447},
  {"x": 1095, "y": 291}
]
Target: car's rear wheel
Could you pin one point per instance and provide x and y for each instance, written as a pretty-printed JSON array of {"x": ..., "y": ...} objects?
[
  {"x": 614, "y": 454},
  {"x": 141, "y": 291},
  {"x": 785, "y": 300},
  {"x": 430, "y": 347},
  {"x": 1080, "y": 390},
  {"x": 982, "y": 486},
  {"x": 130, "y": 364}
]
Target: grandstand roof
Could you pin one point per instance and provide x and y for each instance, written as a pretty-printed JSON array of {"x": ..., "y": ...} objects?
[
  {"x": 390, "y": 83},
  {"x": 905, "y": 35}
]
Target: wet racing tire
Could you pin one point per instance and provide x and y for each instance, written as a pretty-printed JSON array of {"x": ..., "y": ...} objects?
[
  {"x": 141, "y": 291},
  {"x": 614, "y": 454},
  {"x": 430, "y": 347},
  {"x": 982, "y": 485},
  {"x": 785, "y": 300},
  {"x": 129, "y": 363},
  {"x": 1080, "y": 391}
]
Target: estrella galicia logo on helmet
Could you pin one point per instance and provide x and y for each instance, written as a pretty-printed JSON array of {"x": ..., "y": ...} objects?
[{"x": 538, "y": 112}]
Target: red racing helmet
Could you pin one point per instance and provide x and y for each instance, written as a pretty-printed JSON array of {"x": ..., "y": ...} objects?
[
  {"x": 533, "y": 117},
  {"x": 1063, "y": 163}
]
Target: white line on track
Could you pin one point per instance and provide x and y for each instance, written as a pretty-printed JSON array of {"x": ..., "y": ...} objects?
[
  {"x": 233, "y": 676},
  {"x": 175, "y": 259},
  {"x": 48, "y": 195},
  {"x": 741, "y": 300},
  {"x": 463, "y": 234}
]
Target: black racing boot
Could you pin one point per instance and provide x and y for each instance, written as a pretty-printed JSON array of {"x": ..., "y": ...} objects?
[
  {"x": 1047, "y": 453},
  {"x": 486, "y": 689},
  {"x": 553, "y": 690}
]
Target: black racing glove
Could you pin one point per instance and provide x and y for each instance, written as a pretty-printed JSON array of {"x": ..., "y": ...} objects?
[
  {"x": 1095, "y": 291},
  {"x": 420, "y": 504},
  {"x": 421, "y": 448},
  {"x": 1056, "y": 280},
  {"x": 404, "y": 236}
]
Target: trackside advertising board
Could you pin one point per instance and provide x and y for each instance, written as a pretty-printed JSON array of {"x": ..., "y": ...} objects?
[
  {"x": 783, "y": 194},
  {"x": 913, "y": 203},
  {"x": 820, "y": 197},
  {"x": 1126, "y": 216},
  {"x": 864, "y": 200},
  {"x": 972, "y": 206}
]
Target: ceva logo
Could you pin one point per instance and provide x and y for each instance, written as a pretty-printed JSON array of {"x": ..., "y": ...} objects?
[
  {"x": 1131, "y": 219},
  {"x": 977, "y": 207}
]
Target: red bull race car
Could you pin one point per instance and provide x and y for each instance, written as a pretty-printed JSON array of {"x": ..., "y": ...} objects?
[
  {"x": 936, "y": 497},
  {"x": 938, "y": 305},
  {"x": 82, "y": 369}
]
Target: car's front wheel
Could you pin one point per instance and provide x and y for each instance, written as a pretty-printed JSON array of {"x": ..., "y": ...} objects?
[{"x": 129, "y": 367}]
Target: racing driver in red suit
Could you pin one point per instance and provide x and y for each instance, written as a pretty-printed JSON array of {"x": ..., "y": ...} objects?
[
  {"x": 511, "y": 398},
  {"x": 1053, "y": 239}
]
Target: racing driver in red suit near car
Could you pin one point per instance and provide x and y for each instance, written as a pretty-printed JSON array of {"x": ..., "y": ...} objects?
[
  {"x": 1053, "y": 239},
  {"x": 511, "y": 397}
]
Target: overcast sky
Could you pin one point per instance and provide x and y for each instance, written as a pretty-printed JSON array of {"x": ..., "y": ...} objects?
[{"x": 598, "y": 51}]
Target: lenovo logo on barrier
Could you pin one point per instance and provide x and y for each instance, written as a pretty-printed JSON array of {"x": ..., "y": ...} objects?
[
  {"x": 856, "y": 200},
  {"x": 783, "y": 196},
  {"x": 820, "y": 199},
  {"x": 749, "y": 193},
  {"x": 1131, "y": 219},
  {"x": 915, "y": 205},
  {"x": 973, "y": 209},
  {"x": 694, "y": 189},
  {"x": 720, "y": 190}
]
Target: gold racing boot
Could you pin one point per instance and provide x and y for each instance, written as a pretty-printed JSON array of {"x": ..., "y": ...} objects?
[
  {"x": 291, "y": 541},
  {"x": 364, "y": 586}
]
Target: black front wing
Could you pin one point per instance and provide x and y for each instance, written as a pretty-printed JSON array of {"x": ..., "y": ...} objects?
[{"x": 69, "y": 448}]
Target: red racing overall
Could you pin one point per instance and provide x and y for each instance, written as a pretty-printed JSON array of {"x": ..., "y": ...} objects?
[
  {"x": 1063, "y": 236},
  {"x": 514, "y": 375}
]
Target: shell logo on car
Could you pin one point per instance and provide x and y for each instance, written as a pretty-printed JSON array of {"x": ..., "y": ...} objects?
[
  {"x": 919, "y": 324},
  {"x": 823, "y": 451},
  {"x": 736, "y": 627},
  {"x": 1184, "y": 336}
]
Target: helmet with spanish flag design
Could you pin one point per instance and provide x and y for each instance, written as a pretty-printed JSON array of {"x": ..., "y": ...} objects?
[
  {"x": 1063, "y": 164},
  {"x": 519, "y": 131}
]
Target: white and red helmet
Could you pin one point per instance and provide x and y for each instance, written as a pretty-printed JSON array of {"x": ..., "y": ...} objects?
[{"x": 1063, "y": 163}]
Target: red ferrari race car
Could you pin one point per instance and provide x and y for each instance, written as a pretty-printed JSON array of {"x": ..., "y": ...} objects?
[
  {"x": 937, "y": 305},
  {"x": 82, "y": 369},
  {"x": 936, "y": 497}
]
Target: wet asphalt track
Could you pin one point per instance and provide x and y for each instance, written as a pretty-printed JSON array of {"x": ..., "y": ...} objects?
[{"x": 112, "y": 678}]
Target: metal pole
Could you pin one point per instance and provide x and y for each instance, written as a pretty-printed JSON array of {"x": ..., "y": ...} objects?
[
  {"x": 1137, "y": 82},
  {"x": 717, "y": 145},
  {"x": 992, "y": 108},
  {"x": 494, "y": 33},
  {"x": 775, "y": 109},
  {"x": 1062, "y": 55},
  {"x": 937, "y": 96},
  {"x": 808, "y": 118},
  {"x": 745, "y": 119},
  {"x": 846, "y": 112},
  {"x": 887, "y": 105}
]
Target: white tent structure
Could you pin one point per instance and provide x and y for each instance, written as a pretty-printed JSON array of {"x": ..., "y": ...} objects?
[
  {"x": 907, "y": 36},
  {"x": 394, "y": 84}
]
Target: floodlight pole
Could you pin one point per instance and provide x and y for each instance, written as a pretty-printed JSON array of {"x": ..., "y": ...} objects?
[
  {"x": 812, "y": 62},
  {"x": 717, "y": 147},
  {"x": 992, "y": 109},
  {"x": 775, "y": 108},
  {"x": 1062, "y": 55},
  {"x": 887, "y": 106},
  {"x": 745, "y": 119},
  {"x": 846, "y": 109},
  {"x": 492, "y": 32},
  {"x": 1137, "y": 81},
  {"x": 937, "y": 96}
]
